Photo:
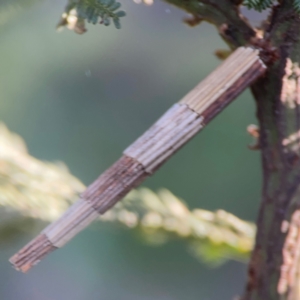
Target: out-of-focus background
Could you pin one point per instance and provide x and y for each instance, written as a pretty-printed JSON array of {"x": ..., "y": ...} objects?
[{"x": 82, "y": 100}]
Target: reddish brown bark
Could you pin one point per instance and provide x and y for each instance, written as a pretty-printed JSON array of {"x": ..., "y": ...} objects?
[
  {"x": 277, "y": 98},
  {"x": 30, "y": 255}
]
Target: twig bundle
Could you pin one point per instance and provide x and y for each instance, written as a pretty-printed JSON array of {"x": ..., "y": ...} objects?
[{"x": 174, "y": 129}]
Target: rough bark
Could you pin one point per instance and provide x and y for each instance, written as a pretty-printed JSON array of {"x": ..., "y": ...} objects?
[
  {"x": 273, "y": 270},
  {"x": 273, "y": 267},
  {"x": 225, "y": 15}
]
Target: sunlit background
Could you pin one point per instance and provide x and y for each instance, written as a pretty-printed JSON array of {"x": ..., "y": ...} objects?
[{"x": 82, "y": 99}]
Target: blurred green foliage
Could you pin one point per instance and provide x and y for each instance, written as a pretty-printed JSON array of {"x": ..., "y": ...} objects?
[
  {"x": 261, "y": 5},
  {"x": 79, "y": 11},
  {"x": 32, "y": 189},
  {"x": 9, "y": 8},
  {"x": 83, "y": 100},
  {"x": 159, "y": 217}
]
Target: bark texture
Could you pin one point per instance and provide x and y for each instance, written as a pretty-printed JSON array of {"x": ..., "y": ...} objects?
[
  {"x": 272, "y": 272},
  {"x": 274, "y": 267}
]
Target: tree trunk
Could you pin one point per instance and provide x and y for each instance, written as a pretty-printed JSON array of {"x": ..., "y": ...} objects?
[
  {"x": 275, "y": 262},
  {"x": 273, "y": 270}
]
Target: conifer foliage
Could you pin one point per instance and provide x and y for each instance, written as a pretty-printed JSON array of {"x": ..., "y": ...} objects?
[
  {"x": 106, "y": 12},
  {"x": 92, "y": 11},
  {"x": 260, "y": 5}
]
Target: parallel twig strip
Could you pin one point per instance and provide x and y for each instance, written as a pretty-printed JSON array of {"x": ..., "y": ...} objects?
[
  {"x": 73, "y": 221},
  {"x": 220, "y": 80},
  {"x": 115, "y": 183},
  {"x": 166, "y": 139},
  {"x": 175, "y": 128},
  {"x": 214, "y": 80}
]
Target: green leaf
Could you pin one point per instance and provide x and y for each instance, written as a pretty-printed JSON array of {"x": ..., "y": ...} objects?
[
  {"x": 121, "y": 13},
  {"x": 117, "y": 23},
  {"x": 106, "y": 22},
  {"x": 115, "y": 6},
  {"x": 91, "y": 11},
  {"x": 297, "y": 5},
  {"x": 110, "y": 3},
  {"x": 258, "y": 5}
]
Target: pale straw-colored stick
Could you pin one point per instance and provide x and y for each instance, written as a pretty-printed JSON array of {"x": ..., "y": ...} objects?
[{"x": 175, "y": 128}]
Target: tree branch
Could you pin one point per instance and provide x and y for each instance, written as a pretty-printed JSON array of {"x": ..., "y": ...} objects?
[
  {"x": 271, "y": 275},
  {"x": 225, "y": 15},
  {"x": 175, "y": 128},
  {"x": 159, "y": 217}
]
